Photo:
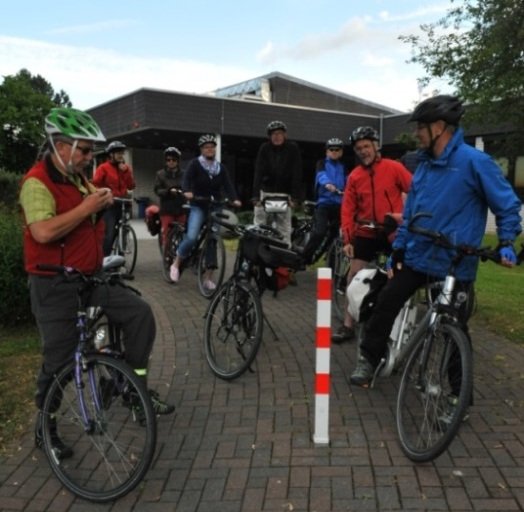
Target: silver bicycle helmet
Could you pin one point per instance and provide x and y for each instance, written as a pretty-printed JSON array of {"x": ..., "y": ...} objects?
[
  {"x": 207, "y": 138},
  {"x": 334, "y": 142},
  {"x": 172, "y": 151},
  {"x": 116, "y": 145},
  {"x": 276, "y": 125},
  {"x": 363, "y": 132}
]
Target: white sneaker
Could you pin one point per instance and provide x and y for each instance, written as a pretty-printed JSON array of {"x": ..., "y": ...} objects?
[
  {"x": 174, "y": 273},
  {"x": 209, "y": 285}
]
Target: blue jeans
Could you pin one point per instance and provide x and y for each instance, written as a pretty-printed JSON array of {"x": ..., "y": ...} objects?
[{"x": 197, "y": 217}]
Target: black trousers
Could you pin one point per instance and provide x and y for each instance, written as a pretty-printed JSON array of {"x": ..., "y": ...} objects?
[
  {"x": 327, "y": 219},
  {"x": 54, "y": 305},
  {"x": 391, "y": 299}
]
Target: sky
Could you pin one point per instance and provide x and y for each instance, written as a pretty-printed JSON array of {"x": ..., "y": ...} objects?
[{"x": 97, "y": 51}]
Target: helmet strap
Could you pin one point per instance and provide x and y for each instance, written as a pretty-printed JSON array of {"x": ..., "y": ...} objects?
[
  {"x": 68, "y": 168},
  {"x": 433, "y": 140}
]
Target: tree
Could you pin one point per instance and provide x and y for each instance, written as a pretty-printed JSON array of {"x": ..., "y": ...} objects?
[
  {"x": 25, "y": 100},
  {"x": 479, "y": 47}
]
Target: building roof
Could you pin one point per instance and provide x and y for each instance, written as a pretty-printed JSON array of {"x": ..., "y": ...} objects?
[{"x": 277, "y": 87}]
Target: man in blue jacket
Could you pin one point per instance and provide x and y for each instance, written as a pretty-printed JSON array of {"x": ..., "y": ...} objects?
[
  {"x": 456, "y": 184},
  {"x": 330, "y": 181}
]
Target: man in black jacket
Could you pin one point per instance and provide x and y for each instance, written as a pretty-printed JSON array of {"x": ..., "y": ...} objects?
[{"x": 278, "y": 170}]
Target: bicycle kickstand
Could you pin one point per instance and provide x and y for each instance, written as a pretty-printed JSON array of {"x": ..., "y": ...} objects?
[
  {"x": 378, "y": 369},
  {"x": 275, "y": 335}
]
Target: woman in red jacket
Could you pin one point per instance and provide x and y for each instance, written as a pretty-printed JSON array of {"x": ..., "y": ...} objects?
[
  {"x": 117, "y": 176},
  {"x": 374, "y": 189}
]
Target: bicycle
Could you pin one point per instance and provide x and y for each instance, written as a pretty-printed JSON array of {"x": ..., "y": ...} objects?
[
  {"x": 98, "y": 406},
  {"x": 330, "y": 247},
  {"x": 434, "y": 358},
  {"x": 208, "y": 253},
  {"x": 125, "y": 241},
  {"x": 233, "y": 327}
]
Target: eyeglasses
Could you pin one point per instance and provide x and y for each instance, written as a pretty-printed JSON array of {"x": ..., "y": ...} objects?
[
  {"x": 85, "y": 150},
  {"x": 334, "y": 149},
  {"x": 171, "y": 159}
]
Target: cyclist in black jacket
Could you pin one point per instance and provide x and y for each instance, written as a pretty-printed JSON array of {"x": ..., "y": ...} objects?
[
  {"x": 168, "y": 187},
  {"x": 278, "y": 169}
]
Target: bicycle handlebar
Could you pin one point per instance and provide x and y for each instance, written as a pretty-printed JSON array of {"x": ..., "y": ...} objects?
[
  {"x": 109, "y": 263},
  {"x": 123, "y": 200},
  {"x": 438, "y": 238},
  {"x": 240, "y": 229}
]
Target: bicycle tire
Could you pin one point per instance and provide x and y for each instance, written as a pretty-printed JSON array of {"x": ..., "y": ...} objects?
[
  {"x": 233, "y": 329},
  {"x": 301, "y": 234},
  {"x": 439, "y": 369},
  {"x": 202, "y": 268},
  {"x": 173, "y": 238},
  {"x": 113, "y": 454},
  {"x": 160, "y": 245},
  {"x": 339, "y": 264},
  {"x": 128, "y": 247}
]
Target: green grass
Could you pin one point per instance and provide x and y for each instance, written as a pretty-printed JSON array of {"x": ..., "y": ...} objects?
[
  {"x": 19, "y": 363},
  {"x": 500, "y": 297}
]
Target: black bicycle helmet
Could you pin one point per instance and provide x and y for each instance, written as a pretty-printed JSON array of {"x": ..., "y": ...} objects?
[
  {"x": 438, "y": 108},
  {"x": 334, "y": 142},
  {"x": 172, "y": 151},
  {"x": 363, "y": 132},
  {"x": 275, "y": 125},
  {"x": 116, "y": 145},
  {"x": 207, "y": 138}
]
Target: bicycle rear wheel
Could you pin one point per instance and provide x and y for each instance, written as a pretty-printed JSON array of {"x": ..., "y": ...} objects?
[
  {"x": 113, "y": 449},
  {"x": 173, "y": 238},
  {"x": 339, "y": 264},
  {"x": 435, "y": 392},
  {"x": 211, "y": 265},
  {"x": 233, "y": 329},
  {"x": 128, "y": 247}
]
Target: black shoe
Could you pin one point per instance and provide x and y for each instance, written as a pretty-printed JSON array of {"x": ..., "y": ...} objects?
[
  {"x": 363, "y": 374},
  {"x": 447, "y": 415},
  {"x": 159, "y": 407},
  {"x": 343, "y": 333},
  {"x": 60, "y": 450}
]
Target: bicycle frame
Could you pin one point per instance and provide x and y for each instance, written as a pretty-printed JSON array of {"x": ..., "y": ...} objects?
[
  {"x": 95, "y": 404},
  {"x": 124, "y": 219}
]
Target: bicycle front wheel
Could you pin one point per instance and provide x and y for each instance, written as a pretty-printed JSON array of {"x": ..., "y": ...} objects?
[
  {"x": 435, "y": 392},
  {"x": 108, "y": 424},
  {"x": 211, "y": 265},
  {"x": 128, "y": 247},
  {"x": 233, "y": 329},
  {"x": 339, "y": 264}
]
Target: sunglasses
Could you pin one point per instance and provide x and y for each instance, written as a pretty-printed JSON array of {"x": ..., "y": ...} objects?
[
  {"x": 171, "y": 160},
  {"x": 85, "y": 150},
  {"x": 334, "y": 149}
]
